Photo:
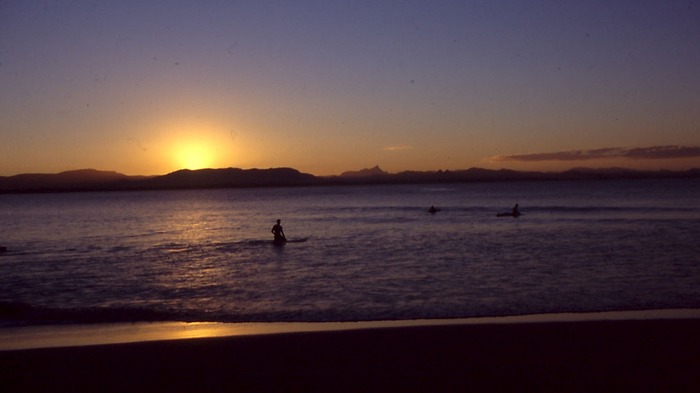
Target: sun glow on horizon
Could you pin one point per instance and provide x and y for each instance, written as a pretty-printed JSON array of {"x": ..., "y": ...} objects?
[
  {"x": 196, "y": 144},
  {"x": 195, "y": 155}
]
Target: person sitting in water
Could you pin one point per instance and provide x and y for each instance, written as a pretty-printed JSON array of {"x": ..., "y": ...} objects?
[
  {"x": 433, "y": 210},
  {"x": 278, "y": 232},
  {"x": 516, "y": 212}
]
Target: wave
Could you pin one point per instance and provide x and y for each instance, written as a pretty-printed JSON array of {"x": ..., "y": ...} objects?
[
  {"x": 483, "y": 209},
  {"x": 22, "y": 314},
  {"x": 612, "y": 209},
  {"x": 13, "y": 314}
]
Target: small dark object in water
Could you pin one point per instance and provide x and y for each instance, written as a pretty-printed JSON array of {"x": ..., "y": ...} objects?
[
  {"x": 514, "y": 213},
  {"x": 281, "y": 242}
]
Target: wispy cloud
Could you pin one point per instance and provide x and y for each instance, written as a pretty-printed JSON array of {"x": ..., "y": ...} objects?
[
  {"x": 639, "y": 153},
  {"x": 397, "y": 148}
]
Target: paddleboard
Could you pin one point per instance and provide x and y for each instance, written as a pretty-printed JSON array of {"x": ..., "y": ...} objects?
[{"x": 281, "y": 243}]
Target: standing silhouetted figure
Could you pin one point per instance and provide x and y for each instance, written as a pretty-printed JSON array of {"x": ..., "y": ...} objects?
[{"x": 278, "y": 232}]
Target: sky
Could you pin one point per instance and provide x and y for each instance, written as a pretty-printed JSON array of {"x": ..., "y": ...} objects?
[{"x": 151, "y": 87}]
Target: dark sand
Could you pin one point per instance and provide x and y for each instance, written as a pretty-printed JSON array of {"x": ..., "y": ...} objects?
[{"x": 593, "y": 356}]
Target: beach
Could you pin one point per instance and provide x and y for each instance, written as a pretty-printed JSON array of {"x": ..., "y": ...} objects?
[{"x": 604, "y": 354}]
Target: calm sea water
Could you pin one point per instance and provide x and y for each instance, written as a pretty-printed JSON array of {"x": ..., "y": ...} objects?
[{"x": 372, "y": 252}]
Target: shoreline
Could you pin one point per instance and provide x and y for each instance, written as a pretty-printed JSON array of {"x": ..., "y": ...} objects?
[
  {"x": 57, "y": 336},
  {"x": 637, "y": 353}
]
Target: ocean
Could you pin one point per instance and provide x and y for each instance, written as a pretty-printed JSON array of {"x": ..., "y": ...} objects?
[{"x": 365, "y": 253}]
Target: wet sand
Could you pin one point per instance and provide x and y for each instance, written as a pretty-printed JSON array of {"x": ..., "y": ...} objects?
[{"x": 562, "y": 356}]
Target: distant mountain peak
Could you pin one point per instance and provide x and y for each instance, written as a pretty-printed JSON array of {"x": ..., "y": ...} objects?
[{"x": 374, "y": 171}]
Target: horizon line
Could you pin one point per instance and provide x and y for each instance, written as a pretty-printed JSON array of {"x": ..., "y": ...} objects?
[{"x": 616, "y": 168}]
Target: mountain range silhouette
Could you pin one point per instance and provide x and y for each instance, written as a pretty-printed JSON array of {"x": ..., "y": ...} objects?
[{"x": 96, "y": 180}]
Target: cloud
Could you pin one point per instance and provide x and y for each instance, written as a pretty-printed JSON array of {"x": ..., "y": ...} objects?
[
  {"x": 397, "y": 148},
  {"x": 639, "y": 153}
]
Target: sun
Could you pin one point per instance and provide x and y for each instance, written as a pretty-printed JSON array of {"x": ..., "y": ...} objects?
[
  {"x": 195, "y": 155},
  {"x": 193, "y": 145}
]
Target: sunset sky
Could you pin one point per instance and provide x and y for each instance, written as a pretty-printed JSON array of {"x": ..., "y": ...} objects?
[{"x": 150, "y": 87}]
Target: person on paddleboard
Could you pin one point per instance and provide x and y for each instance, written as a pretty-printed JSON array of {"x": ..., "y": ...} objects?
[
  {"x": 516, "y": 212},
  {"x": 278, "y": 232}
]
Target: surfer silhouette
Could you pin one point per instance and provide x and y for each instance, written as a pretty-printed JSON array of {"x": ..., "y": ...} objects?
[
  {"x": 278, "y": 232},
  {"x": 516, "y": 212}
]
